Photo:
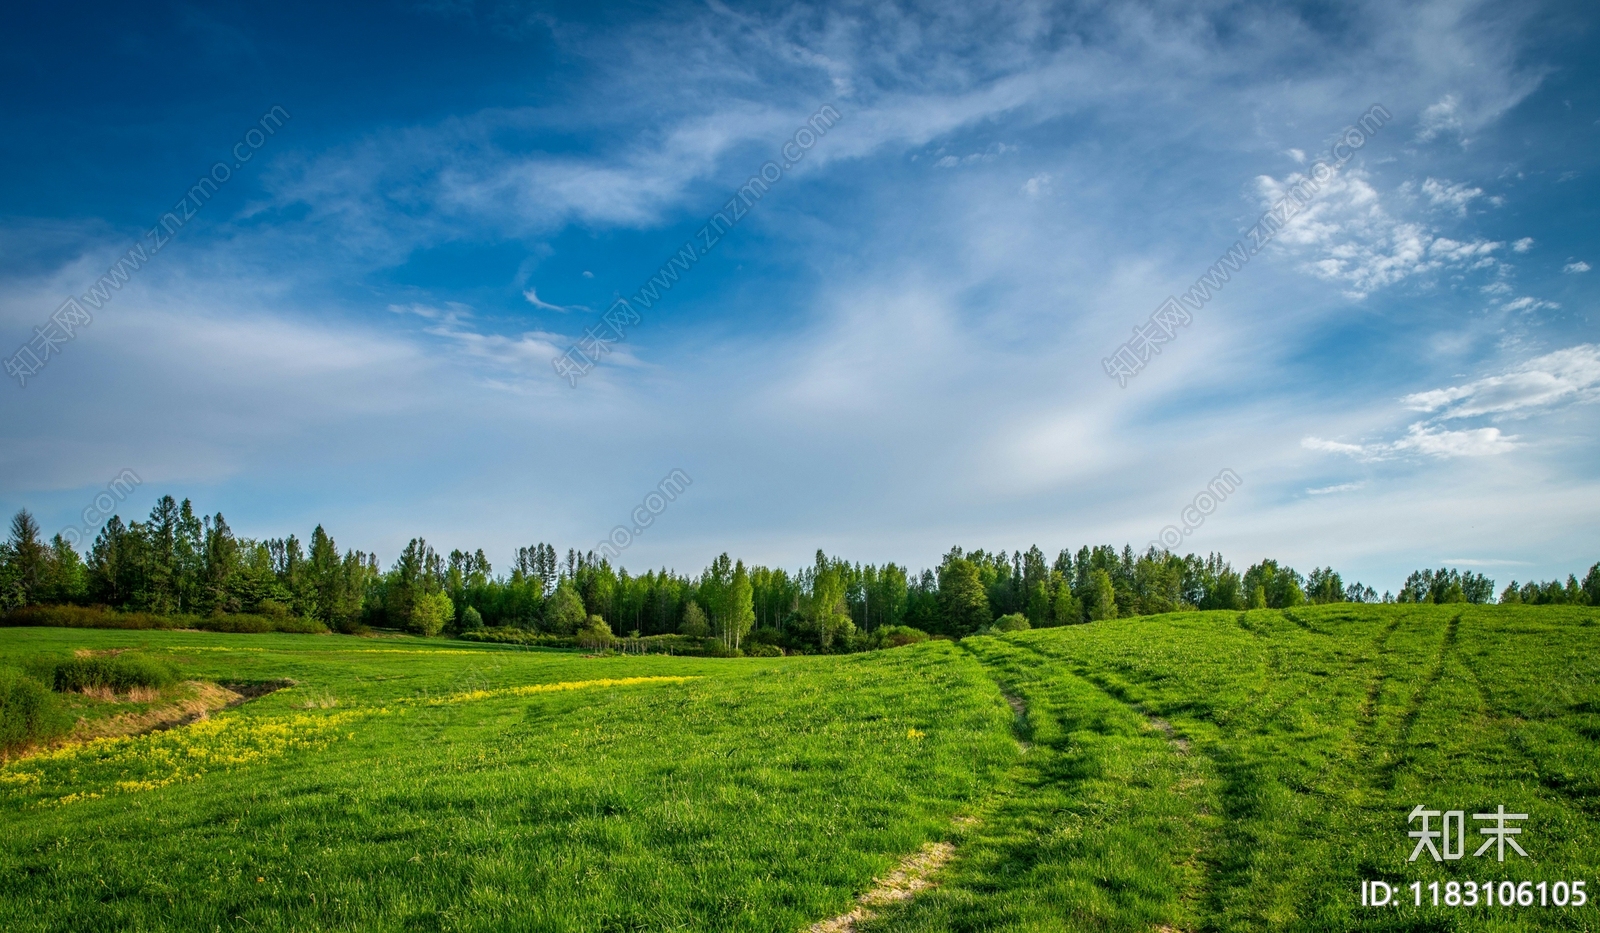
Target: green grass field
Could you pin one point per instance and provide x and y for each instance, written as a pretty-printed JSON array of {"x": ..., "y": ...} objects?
[{"x": 1197, "y": 771}]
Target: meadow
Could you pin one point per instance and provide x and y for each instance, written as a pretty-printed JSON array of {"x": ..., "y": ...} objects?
[{"x": 1189, "y": 771}]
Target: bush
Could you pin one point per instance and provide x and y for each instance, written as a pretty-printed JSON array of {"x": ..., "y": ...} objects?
[
  {"x": 29, "y": 712},
  {"x": 101, "y": 617},
  {"x": 471, "y": 620},
  {"x": 761, "y": 650},
  {"x": 1015, "y": 622},
  {"x": 244, "y": 623},
  {"x": 897, "y": 636},
  {"x": 595, "y": 634},
  {"x": 714, "y": 648},
  {"x": 506, "y": 635},
  {"x": 662, "y": 644},
  {"x": 117, "y": 673},
  {"x": 84, "y": 617}
]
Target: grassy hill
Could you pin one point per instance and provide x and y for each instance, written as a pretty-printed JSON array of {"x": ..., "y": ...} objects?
[{"x": 1191, "y": 771}]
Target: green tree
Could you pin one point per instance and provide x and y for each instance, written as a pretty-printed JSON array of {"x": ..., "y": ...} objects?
[
  {"x": 962, "y": 596},
  {"x": 26, "y": 560},
  {"x": 1065, "y": 609},
  {"x": 694, "y": 621},
  {"x": 430, "y": 613},
  {"x": 1103, "y": 603},
  {"x": 564, "y": 612},
  {"x": 66, "y": 578},
  {"x": 741, "y": 613}
]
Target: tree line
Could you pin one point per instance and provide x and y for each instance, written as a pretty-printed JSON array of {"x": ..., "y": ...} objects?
[{"x": 177, "y": 562}]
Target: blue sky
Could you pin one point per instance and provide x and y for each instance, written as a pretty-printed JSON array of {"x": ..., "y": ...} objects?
[{"x": 899, "y": 348}]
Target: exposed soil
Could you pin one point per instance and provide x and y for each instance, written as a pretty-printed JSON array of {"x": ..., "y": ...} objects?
[
  {"x": 1182, "y": 744},
  {"x": 910, "y": 876}
]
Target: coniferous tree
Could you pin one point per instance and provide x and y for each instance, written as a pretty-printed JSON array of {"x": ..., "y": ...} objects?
[{"x": 26, "y": 562}]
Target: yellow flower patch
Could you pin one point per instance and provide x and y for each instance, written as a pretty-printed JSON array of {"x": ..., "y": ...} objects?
[
  {"x": 133, "y": 764},
  {"x": 532, "y": 689}
]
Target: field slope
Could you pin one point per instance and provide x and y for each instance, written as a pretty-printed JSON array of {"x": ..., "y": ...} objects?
[{"x": 1247, "y": 771}]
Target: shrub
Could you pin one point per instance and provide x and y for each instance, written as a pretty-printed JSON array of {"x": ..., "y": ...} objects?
[
  {"x": 273, "y": 609},
  {"x": 29, "y": 712},
  {"x": 84, "y": 617},
  {"x": 762, "y": 650},
  {"x": 244, "y": 623},
  {"x": 765, "y": 636},
  {"x": 714, "y": 648},
  {"x": 117, "y": 673},
  {"x": 595, "y": 634},
  {"x": 471, "y": 619},
  {"x": 1015, "y": 622},
  {"x": 102, "y": 617},
  {"x": 896, "y": 636},
  {"x": 506, "y": 635}
]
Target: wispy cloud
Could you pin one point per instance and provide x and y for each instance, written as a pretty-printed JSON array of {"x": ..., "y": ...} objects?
[
  {"x": 531, "y": 295},
  {"x": 1456, "y": 197},
  {"x": 1424, "y": 439},
  {"x": 1569, "y": 376},
  {"x": 1443, "y": 116},
  {"x": 1573, "y": 268}
]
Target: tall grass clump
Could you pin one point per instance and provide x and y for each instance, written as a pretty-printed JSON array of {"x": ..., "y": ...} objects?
[
  {"x": 29, "y": 712},
  {"x": 117, "y": 673}
]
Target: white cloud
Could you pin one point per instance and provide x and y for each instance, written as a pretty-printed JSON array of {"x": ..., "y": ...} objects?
[
  {"x": 1329, "y": 490},
  {"x": 1453, "y": 196},
  {"x": 1040, "y": 185},
  {"x": 1523, "y": 245},
  {"x": 1573, "y": 268},
  {"x": 1564, "y": 377},
  {"x": 1351, "y": 238},
  {"x": 1439, "y": 442},
  {"x": 1424, "y": 439},
  {"x": 987, "y": 155},
  {"x": 1528, "y": 304},
  {"x": 532, "y": 297},
  {"x": 1332, "y": 447},
  {"x": 1441, "y": 117}
]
